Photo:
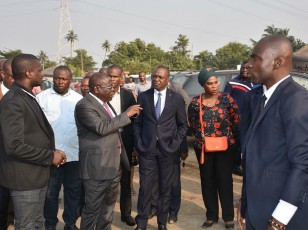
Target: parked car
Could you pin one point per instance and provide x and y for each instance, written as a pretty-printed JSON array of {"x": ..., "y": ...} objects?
[
  {"x": 46, "y": 84},
  {"x": 300, "y": 78}
]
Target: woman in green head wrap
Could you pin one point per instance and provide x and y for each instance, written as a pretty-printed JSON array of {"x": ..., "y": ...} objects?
[{"x": 218, "y": 114}]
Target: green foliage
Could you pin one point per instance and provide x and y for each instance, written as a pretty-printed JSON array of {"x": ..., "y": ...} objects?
[
  {"x": 204, "y": 59},
  {"x": 136, "y": 56},
  {"x": 80, "y": 63},
  {"x": 71, "y": 37},
  {"x": 230, "y": 55},
  {"x": 272, "y": 30},
  {"x": 10, "y": 54},
  {"x": 181, "y": 45}
]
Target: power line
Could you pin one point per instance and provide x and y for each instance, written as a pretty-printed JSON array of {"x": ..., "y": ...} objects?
[
  {"x": 156, "y": 20},
  {"x": 292, "y": 6}
]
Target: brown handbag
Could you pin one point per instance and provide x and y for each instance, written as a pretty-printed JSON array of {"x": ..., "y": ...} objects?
[{"x": 211, "y": 144}]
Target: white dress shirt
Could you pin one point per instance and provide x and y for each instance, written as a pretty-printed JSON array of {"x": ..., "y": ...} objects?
[
  {"x": 162, "y": 97},
  {"x": 116, "y": 102},
  {"x": 59, "y": 110},
  {"x": 4, "y": 90},
  {"x": 284, "y": 211}
]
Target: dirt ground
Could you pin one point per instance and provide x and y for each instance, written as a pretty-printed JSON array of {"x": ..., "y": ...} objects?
[{"x": 192, "y": 212}]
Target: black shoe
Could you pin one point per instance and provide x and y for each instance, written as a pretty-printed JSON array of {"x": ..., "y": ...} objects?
[
  {"x": 208, "y": 223},
  {"x": 172, "y": 219},
  {"x": 162, "y": 227},
  {"x": 74, "y": 227},
  {"x": 230, "y": 225},
  {"x": 129, "y": 220},
  {"x": 152, "y": 213},
  {"x": 237, "y": 171}
]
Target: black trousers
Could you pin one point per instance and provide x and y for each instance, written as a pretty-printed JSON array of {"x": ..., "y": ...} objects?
[
  {"x": 4, "y": 204},
  {"x": 175, "y": 195},
  {"x": 125, "y": 194},
  {"x": 216, "y": 181},
  {"x": 101, "y": 196},
  {"x": 151, "y": 166}
]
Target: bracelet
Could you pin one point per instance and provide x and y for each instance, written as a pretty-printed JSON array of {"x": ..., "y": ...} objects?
[{"x": 275, "y": 225}]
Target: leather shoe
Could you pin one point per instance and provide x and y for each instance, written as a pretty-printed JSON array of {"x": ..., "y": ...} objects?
[
  {"x": 152, "y": 213},
  {"x": 129, "y": 220},
  {"x": 74, "y": 227},
  {"x": 229, "y": 225},
  {"x": 208, "y": 223},
  {"x": 162, "y": 227},
  {"x": 172, "y": 219},
  {"x": 237, "y": 171}
]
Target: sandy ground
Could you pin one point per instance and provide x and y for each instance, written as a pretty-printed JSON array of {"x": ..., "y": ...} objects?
[{"x": 192, "y": 212}]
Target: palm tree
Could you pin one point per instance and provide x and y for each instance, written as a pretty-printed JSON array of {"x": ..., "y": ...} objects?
[
  {"x": 71, "y": 37},
  {"x": 43, "y": 58},
  {"x": 106, "y": 46}
]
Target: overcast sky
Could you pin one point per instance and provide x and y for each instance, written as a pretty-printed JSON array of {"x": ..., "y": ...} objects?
[{"x": 33, "y": 25}]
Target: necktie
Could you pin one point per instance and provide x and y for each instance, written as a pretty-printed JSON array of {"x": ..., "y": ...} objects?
[
  {"x": 157, "y": 106},
  {"x": 260, "y": 108},
  {"x": 108, "y": 109}
]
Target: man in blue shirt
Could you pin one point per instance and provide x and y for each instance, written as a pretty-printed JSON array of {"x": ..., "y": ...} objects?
[{"x": 58, "y": 104}]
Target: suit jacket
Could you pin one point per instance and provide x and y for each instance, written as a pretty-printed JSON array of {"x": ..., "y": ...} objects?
[
  {"x": 99, "y": 138},
  {"x": 26, "y": 142},
  {"x": 168, "y": 131},
  {"x": 276, "y": 157},
  {"x": 127, "y": 100}
]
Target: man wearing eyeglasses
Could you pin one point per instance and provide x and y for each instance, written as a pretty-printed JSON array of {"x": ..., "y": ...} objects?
[
  {"x": 101, "y": 151},
  {"x": 58, "y": 104},
  {"x": 237, "y": 88}
]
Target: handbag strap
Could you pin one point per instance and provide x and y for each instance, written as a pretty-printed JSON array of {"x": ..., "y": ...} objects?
[{"x": 202, "y": 130}]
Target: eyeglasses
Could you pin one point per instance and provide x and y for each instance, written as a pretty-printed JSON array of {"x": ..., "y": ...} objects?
[{"x": 106, "y": 87}]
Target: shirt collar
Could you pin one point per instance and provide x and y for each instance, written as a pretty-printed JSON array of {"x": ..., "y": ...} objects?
[
  {"x": 30, "y": 93},
  {"x": 163, "y": 92},
  {"x": 52, "y": 90},
  {"x": 269, "y": 92},
  {"x": 96, "y": 98}
]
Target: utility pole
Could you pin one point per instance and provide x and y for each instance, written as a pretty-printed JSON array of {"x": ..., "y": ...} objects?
[{"x": 64, "y": 28}]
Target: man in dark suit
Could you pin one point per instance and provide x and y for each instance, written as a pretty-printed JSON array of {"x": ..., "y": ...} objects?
[
  {"x": 175, "y": 195},
  {"x": 26, "y": 145},
  {"x": 275, "y": 148},
  {"x": 159, "y": 131},
  {"x": 121, "y": 100},
  {"x": 100, "y": 151}
]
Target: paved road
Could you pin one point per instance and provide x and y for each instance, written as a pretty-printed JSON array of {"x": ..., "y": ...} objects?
[{"x": 192, "y": 213}]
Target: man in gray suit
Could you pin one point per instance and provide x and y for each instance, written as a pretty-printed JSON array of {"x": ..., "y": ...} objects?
[{"x": 101, "y": 151}]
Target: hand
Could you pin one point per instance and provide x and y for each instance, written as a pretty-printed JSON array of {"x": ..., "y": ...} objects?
[
  {"x": 275, "y": 224},
  {"x": 59, "y": 158},
  {"x": 184, "y": 156},
  {"x": 240, "y": 220},
  {"x": 133, "y": 110}
]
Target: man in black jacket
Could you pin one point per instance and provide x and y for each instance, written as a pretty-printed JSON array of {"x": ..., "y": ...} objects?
[{"x": 26, "y": 145}]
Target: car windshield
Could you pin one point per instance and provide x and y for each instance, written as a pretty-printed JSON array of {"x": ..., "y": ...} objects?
[{"x": 301, "y": 79}]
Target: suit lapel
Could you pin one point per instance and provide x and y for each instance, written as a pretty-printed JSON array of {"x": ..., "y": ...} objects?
[
  {"x": 151, "y": 101},
  {"x": 38, "y": 112},
  {"x": 271, "y": 101},
  {"x": 122, "y": 99},
  {"x": 168, "y": 102},
  {"x": 100, "y": 108}
]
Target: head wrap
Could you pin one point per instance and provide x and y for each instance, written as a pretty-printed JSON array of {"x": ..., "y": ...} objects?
[{"x": 204, "y": 75}]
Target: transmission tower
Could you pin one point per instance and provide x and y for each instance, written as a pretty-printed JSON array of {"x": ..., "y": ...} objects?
[{"x": 64, "y": 28}]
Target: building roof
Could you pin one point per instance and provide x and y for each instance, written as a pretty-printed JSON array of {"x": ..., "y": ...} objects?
[{"x": 302, "y": 52}]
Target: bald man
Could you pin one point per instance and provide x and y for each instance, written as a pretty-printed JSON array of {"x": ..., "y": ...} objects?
[{"x": 275, "y": 147}]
